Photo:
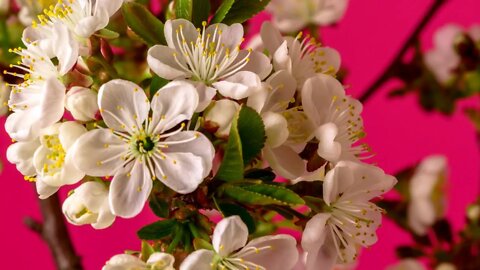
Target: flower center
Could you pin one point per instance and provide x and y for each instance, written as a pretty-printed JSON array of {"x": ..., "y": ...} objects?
[
  {"x": 144, "y": 143},
  {"x": 55, "y": 158},
  {"x": 207, "y": 59}
]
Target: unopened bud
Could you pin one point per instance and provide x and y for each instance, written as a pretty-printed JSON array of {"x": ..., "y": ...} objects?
[
  {"x": 220, "y": 116},
  {"x": 82, "y": 103}
]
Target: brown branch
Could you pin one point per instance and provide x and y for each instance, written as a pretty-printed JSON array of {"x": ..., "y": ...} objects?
[
  {"x": 54, "y": 232},
  {"x": 397, "y": 61}
]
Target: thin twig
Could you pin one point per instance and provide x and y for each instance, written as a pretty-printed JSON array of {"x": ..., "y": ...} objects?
[
  {"x": 54, "y": 232},
  {"x": 413, "y": 38}
]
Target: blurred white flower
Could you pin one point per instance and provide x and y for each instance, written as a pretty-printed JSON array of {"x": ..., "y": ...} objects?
[
  {"x": 156, "y": 261},
  {"x": 351, "y": 220},
  {"x": 82, "y": 103},
  {"x": 29, "y": 9},
  {"x": 407, "y": 264},
  {"x": 443, "y": 59},
  {"x": 446, "y": 266},
  {"x": 220, "y": 115},
  {"x": 294, "y": 15},
  {"x": 37, "y": 102},
  {"x": 210, "y": 58},
  {"x": 88, "y": 204},
  {"x": 4, "y": 96},
  {"x": 303, "y": 58},
  {"x": 336, "y": 117},
  {"x": 232, "y": 252},
  {"x": 137, "y": 148},
  {"x": 4, "y": 6},
  {"x": 427, "y": 201}
]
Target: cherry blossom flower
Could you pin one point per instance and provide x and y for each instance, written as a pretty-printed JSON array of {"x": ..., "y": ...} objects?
[
  {"x": 336, "y": 117},
  {"x": 303, "y": 58},
  {"x": 443, "y": 59},
  {"x": 231, "y": 251},
  {"x": 427, "y": 202},
  {"x": 88, "y": 204},
  {"x": 351, "y": 219},
  {"x": 210, "y": 58},
  {"x": 156, "y": 261},
  {"x": 137, "y": 148},
  {"x": 37, "y": 102},
  {"x": 293, "y": 15},
  {"x": 48, "y": 160}
]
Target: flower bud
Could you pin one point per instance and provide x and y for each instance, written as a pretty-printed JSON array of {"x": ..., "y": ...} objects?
[
  {"x": 156, "y": 261},
  {"x": 219, "y": 117},
  {"x": 82, "y": 103},
  {"x": 88, "y": 204}
]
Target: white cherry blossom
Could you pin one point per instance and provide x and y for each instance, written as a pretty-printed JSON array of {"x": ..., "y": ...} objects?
[
  {"x": 156, "y": 261},
  {"x": 336, "y": 117},
  {"x": 351, "y": 220},
  {"x": 231, "y": 251},
  {"x": 293, "y": 15},
  {"x": 427, "y": 200},
  {"x": 303, "y": 58},
  {"x": 137, "y": 148},
  {"x": 37, "y": 102},
  {"x": 88, "y": 204},
  {"x": 210, "y": 58},
  {"x": 443, "y": 59}
]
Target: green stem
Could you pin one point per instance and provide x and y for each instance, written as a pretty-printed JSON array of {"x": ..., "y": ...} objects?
[{"x": 5, "y": 35}]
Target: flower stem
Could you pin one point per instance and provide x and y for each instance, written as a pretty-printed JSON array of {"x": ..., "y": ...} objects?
[{"x": 397, "y": 61}]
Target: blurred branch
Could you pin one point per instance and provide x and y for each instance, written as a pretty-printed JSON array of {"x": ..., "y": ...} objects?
[
  {"x": 54, "y": 232},
  {"x": 390, "y": 71}
]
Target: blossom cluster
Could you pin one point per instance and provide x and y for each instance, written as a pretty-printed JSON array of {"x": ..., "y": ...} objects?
[{"x": 131, "y": 142}]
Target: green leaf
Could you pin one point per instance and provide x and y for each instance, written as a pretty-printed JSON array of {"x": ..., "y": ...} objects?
[
  {"x": 183, "y": 9},
  {"x": 262, "y": 194},
  {"x": 243, "y": 10},
  {"x": 265, "y": 175},
  {"x": 159, "y": 207},
  {"x": 229, "y": 209},
  {"x": 252, "y": 133},
  {"x": 246, "y": 140},
  {"x": 157, "y": 230},
  {"x": 157, "y": 83},
  {"x": 147, "y": 250},
  {"x": 200, "y": 12},
  {"x": 143, "y": 23},
  {"x": 222, "y": 11},
  {"x": 107, "y": 34}
]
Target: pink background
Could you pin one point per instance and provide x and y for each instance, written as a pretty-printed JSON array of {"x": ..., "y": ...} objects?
[{"x": 398, "y": 131}]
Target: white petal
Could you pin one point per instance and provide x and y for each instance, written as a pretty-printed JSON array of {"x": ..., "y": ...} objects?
[
  {"x": 123, "y": 105},
  {"x": 258, "y": 99},
  {"x": 198, "y": 260},
  {"x": 162, "y": 61},
  {"x": 282, "y": 59},
  {"x": 69, "y": 132},
  {"x": 110, "y": 6},
  {"x": 44, "y": 191},
  {"x": 231, "y": 36},
  {"x": 65, "y": 47},
  {"x": 105, "y": 218},
  {"x": 87, "y": 26},
  {"x": 182, "y": 26},
  {"x": 271, "y": 37},
  {"x": 130, "y": 189},
  {"x": 283, "y": 87},
  {"x": 238, "y": 86},
  {"x": 285, "y": 162},
  {"x": 182, "y": 172},
  {"x": 171, "y": 105},
  {"x": 124, "y": 261},
  {"x": 205, "y": 95},
  {"x": 337, "y": 181},
  {"x": 99, "y": 152},
  {"x": 328, "y": 58},
  {"x": 328, "y": 148},
  {"x": 320, "y": 253},
  {"x": 165, "y": 258},
  {"x": 229, "y": 235},
  {"x": 21, "y": 154},
  {"x": 25, "y": 124},
  {"x": 276, "y": 129},
  {"x": 258, "y": 63},
  {"x": 221, "y": 115},
  {"x": 275, "y": 252},
  {"x": 201, "y": 147}
]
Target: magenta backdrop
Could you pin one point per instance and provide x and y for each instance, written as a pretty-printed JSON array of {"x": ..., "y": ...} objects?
[{"x": 398, "y": 131}]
